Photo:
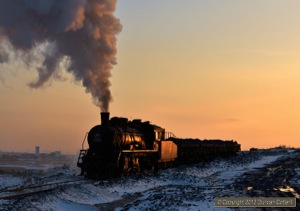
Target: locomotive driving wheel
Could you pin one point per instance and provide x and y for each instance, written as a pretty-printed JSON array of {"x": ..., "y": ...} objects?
[{"x": 128, "y": 164}]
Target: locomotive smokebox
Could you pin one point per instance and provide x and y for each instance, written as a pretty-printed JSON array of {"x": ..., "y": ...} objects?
[{"x": 104, "y": 118}]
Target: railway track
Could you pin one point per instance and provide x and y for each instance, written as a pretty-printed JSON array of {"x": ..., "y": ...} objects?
[{"x": 21, "y": 192}]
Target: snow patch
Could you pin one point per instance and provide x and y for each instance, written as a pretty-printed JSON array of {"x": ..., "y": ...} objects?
[
  {"x": 10, "y": 181},
  {"x": 184, "y": 188}
]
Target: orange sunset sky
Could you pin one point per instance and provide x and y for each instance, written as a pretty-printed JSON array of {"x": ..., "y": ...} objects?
[{"x": 225, "y": 69}]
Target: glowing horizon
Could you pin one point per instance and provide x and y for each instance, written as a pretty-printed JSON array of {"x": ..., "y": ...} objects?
[{"x": 209, "y": 69}]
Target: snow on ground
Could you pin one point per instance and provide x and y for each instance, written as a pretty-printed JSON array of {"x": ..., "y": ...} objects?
[
  {"x": 295, "y": 182},
  {"x": 7, "y": 181},
  {"x": 184, "y": 188}
]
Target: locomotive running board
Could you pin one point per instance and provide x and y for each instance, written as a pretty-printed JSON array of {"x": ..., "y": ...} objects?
[{"x": 139, "y": 151}]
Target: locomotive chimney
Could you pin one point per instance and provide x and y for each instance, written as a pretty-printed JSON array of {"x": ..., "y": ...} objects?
[{"x": 104, "y": 118}]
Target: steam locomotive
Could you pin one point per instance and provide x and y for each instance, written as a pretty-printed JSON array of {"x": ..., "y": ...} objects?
[{"x": 119, "y": 147}]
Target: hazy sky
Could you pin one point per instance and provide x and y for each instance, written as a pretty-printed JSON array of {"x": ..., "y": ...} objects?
[{"x": 226, "y": 69}]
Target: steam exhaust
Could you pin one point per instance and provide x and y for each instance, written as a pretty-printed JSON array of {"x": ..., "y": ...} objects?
[{"x": 79, "y": 34}]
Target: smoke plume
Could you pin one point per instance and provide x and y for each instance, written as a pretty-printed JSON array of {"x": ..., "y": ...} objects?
[{"x": 84, "y": 31}]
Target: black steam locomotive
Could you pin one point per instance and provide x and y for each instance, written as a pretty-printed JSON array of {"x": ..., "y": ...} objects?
[{"x": 119, "y": 147}]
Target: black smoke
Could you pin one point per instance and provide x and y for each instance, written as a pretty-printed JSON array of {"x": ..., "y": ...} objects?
[{"x": 84, "y": 31}]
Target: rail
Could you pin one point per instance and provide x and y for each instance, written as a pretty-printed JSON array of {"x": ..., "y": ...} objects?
[
  {"x": 82, "y": 146},
  {"x": 169, "y": 135}
]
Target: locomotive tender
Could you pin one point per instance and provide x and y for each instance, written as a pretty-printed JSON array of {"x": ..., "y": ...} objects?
[{"x": 119, "y": 147}]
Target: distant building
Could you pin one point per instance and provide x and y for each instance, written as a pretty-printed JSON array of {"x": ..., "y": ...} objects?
[
  {"x": 57, "y": 154},
  {"x": 37, "y": 151}
]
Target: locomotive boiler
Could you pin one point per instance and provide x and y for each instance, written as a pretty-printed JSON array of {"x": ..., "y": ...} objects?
[{"x": 120, "y": 147}]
